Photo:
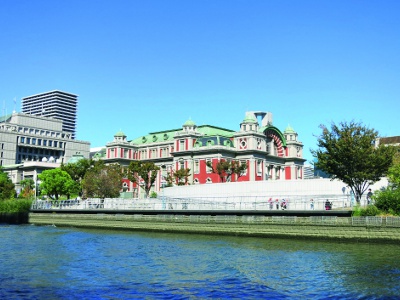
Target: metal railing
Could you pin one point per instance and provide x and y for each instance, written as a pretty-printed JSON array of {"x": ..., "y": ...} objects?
[{"x": 237, "y": 203}]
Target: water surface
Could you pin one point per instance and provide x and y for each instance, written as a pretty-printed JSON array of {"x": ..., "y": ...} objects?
[{"x": 45, "y": 262}]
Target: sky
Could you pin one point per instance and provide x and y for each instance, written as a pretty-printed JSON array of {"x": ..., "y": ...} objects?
[{"x": 146, "y": 66}]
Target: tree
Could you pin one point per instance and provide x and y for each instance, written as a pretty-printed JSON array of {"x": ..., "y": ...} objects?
[
  {"x": 103, "y": 181},
  {"x": 181, "y": 176},
  {"x": 7, "y": 188},
  {"x": 146, "y": 171},
  {"x": 78, "y": 169},
  {"x": 388, "y": 199},
  {"x": 28, "y": 188},
  {"x": 394, "y": 171},
  {"x": 56, "y": 182},
  {"x": 225, "y": 169},
  {"x": 347, "y": 152}
]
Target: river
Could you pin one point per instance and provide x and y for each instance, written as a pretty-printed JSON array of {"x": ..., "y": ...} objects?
[{"x": 46, "y": 262}]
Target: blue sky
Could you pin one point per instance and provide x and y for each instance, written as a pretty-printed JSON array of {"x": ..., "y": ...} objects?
[{"x": 144, "y": 66}]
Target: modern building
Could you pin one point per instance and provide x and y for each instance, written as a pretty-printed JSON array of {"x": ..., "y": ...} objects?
[
  {"x": 268, "y": 153},
  {"x": 30, "y": 144},
  {"x": 54, "y": 104}
]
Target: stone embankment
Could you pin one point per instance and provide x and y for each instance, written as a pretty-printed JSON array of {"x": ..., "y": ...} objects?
[{"x": 357, "y": 229}]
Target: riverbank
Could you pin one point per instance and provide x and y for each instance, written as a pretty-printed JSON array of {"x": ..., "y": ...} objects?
[
  {"x": 354, "y": 229},
  {"x": 14, "y": 217}
]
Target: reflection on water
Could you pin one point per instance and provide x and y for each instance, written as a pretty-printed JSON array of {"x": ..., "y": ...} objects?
[{"x": 67, "y": 263}]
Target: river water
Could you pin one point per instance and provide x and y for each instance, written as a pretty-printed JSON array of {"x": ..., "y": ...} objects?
[{"x": 45, "y": 262}]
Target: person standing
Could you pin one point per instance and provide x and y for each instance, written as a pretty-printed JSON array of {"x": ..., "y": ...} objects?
[
  {"x": 312, "y": 204},
  {"x": 369, "y": 196}
]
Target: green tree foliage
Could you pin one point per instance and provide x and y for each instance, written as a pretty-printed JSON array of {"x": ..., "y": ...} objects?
[
  {"x": 225, "y": 169},
  {"x": 28, "y": 188},
  {"x": 7, "y": 188},
  {"x": 388, "y": 199},
  {"x": 78, "y": 170},
  {"x": 394, "y": 170},
  {"x": 103, "y": 181},
  {"x": 147, "y": 171},
  {"x": 347, "y": 152},
  {"x": 55, "y": 183},
  {"x": 181, "y": 176}
]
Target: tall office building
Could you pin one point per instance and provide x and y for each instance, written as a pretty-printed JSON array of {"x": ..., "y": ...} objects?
[{"x": 55, "y": 104}]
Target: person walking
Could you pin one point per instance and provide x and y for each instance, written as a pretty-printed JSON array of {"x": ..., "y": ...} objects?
[{"x": 312, "y": 204}]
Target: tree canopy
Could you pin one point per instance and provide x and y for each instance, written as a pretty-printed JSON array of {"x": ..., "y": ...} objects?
[
  {"x": 78, "y": 169},
  {"x": 181, "y": 176},
  {"x": 103, "y": 181},
  {"x": 56, "y": 182},
  {"x": 347, "y": 152},
  {"x": 225, "y": 169},
  {"x": 28, "y": 188},
  {"x": 7, "y": 188},
  {"x": 146, "y": 171}
]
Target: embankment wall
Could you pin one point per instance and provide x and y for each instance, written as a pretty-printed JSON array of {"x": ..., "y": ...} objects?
[{"x": 352, "y": 229}]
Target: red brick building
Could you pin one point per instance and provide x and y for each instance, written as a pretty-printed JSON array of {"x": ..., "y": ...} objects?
[{"x": 269, "y": 153}]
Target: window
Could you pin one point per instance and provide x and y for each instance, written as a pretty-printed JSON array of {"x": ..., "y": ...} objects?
[
  {"x": 259, "y": 167},
  {"x": 181, "y": 164},
  {"x": 181, "y": 145},
  {"x": 44, "y": 142},
  {"x": 50, "y": 143},
  {"x": 33, "y": 141},
  {"x": 28, "y": 140},
  {"x": 196, "y": 167},
  {"x": 22, "y": 139},
  {"x": 39, "y": 142},
  {"x": 208, "y": 170},
  {"x": 61, "y": 144},
  {"x": 55, "y": 144}
]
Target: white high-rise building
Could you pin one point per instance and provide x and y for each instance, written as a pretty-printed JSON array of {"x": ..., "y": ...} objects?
[{"x": 54, "y": 104}]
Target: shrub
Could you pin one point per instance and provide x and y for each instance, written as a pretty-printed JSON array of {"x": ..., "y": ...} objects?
[
  {"x": 388, "y": 200},
  {"x": 370, "y": 210},
  {"x": 15, "y": 206},
  {"x": 153, "y": 195}
]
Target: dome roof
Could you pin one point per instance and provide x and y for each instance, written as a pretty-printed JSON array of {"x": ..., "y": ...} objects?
[
  {"x": 189, "y": 122},
  {"x": 289, "y": 129},
  {"x": 120, "y": 133},
  {"x": 250, "y": 118}
]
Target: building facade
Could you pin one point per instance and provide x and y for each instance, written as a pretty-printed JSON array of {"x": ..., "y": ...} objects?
[
  {"x": 30, "y": 144},
  {"x": 268, "y": 153},
  {"x": 54, "y": 104}
]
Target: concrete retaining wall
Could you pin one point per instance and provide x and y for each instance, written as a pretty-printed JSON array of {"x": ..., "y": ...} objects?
[{"x": 360, "y": 229}]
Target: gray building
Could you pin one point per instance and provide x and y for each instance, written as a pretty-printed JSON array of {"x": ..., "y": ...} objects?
[
  {"x": 30, "y": 144},
  {"x": 54, "y": 104}
]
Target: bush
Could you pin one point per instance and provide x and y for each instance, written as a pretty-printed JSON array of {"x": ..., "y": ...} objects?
[
  {"x": 370, "y": 210},
  {"x": 15, "y": 206},
  {"x": 388, "y": 200},
  {"x": 153, "y": 194}
]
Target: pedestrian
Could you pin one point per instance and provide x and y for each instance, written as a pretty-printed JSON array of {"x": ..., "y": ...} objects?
[
  {"x": 312, "y": 204},
  {"x": 369, "y": 196},
  {"x": 277, "y": 203},
  {"x": 283, "y": 204},
  {"x": 271, "y": 204}
]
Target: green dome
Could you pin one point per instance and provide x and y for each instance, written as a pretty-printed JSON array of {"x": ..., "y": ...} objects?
[
  {"x": 189, "y": 122},
  {"x": 120, "y": 133},
  {"x": 289, "y": 129},
  {"x": 250, "y": 119}
]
